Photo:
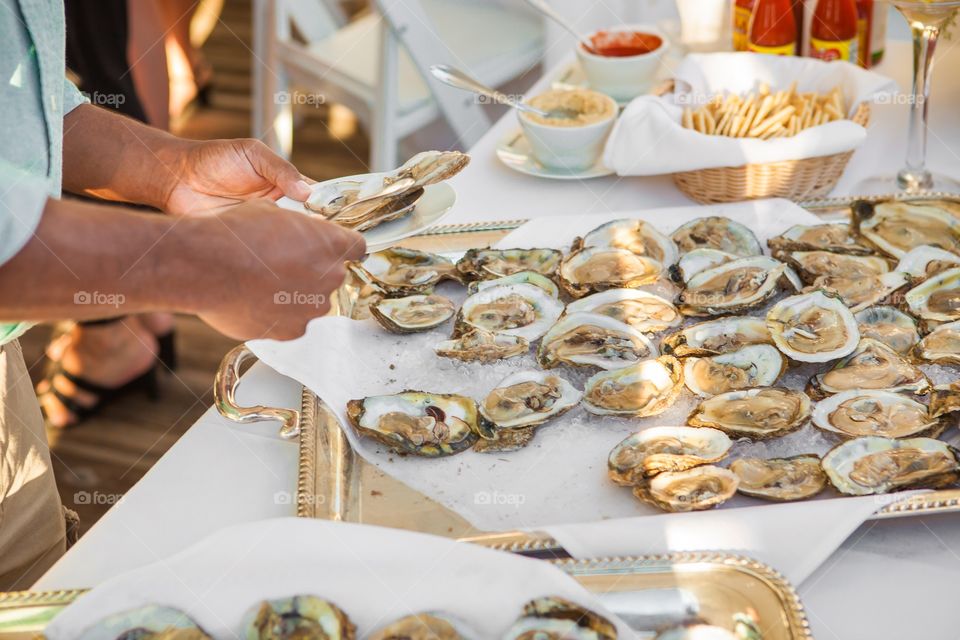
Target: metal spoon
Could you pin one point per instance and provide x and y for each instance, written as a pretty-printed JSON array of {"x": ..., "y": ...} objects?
[
  {"x": 550, "y": 12},
  {"x": 459, "y": 80}
]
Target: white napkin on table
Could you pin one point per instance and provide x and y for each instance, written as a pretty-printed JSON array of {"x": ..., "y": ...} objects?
[{"x": 648, "y": 139}]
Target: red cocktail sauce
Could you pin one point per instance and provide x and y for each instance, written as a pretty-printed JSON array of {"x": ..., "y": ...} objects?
[{"x": 621, "y": 44}]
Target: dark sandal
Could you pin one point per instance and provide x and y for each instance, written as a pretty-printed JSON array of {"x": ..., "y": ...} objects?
[
  {"x": 146, "y": 382},
  {"x": 166, "y": 345}
]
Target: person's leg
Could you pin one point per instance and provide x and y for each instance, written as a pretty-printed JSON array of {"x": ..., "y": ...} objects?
[
  {"x": 32, "y": 531},
  {"x": 190, "y": 73},
  {"x": 147, "y": 54}
]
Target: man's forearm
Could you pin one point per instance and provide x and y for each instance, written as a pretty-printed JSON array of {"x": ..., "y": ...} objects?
[
  {"x": 92, "y": 261},
  {"x": 114, "y": 157}
]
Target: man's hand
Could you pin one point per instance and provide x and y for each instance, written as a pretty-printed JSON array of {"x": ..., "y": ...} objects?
[{"x": 208, "y": 175}]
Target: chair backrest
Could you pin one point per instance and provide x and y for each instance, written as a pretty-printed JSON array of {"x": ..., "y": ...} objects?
[
  {"x": 414, "y": 30},
  {"x": 314, "y": 19}
]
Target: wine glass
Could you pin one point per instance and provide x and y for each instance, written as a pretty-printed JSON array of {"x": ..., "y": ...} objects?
[{"x": 927, "y": 18}]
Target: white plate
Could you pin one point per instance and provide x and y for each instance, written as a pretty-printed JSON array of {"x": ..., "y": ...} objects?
[
  {"x": 431, "y": 208},
  {"x": 514, "y": 151}
]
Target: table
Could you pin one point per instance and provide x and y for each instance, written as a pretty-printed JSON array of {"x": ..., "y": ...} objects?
[{"x": 890, "y": 579}]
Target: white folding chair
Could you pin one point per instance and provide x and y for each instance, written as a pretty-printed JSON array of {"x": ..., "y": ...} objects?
[{"x": 376, "y": 65}]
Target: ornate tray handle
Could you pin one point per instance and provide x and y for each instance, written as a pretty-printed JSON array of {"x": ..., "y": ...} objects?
[{"x": 225, "y": 398}]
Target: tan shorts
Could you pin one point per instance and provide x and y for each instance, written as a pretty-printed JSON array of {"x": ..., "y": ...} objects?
[{"x": 32, "y": 534}]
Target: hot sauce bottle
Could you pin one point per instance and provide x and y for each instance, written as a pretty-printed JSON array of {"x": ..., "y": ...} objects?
[
  {"x": 773, "y": 28},
  {"x": 741, "y": 23},
  {"x": 833, "y": 32}
]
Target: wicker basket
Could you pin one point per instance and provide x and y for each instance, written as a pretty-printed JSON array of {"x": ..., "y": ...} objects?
[{"x": 794, "y": 179}]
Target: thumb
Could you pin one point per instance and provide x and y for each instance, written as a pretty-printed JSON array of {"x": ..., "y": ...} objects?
[{"x": 279, "y": 172}]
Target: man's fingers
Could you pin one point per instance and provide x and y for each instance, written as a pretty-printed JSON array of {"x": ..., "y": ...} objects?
[
  {"x": 278, "y": 171},
  {"x": 355, "y": 245}
]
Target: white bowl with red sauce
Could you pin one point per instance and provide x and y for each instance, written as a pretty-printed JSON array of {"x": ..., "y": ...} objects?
[{"x": 625, "y": 60}]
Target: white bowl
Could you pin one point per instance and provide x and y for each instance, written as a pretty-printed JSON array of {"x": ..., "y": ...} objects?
[
  {"x": 624, "y": 78},
  {"x": 568, "y": 148}
]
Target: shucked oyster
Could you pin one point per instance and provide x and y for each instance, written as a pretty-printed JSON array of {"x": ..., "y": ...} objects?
[
  {"x": 890, "y": 326},
  {"x": 480, "y": 345},
  {"x": 425, "y": 626},
  {"x": 754, "y": 413},
  {"x": 863, "y": 412},
  {"x": 756, "y": 365},
  {"x": 641, "y": 310},
  {"x": 483, "y": 264},
  {"x": 636, "y": 236},
  {"x": 735, "y": 286},
  {"x": 657, "y": 449},
  {"x": 810, "y": 265},
  {"x": 713, "y": 337},
  {"x": 782, "y": 479},
  {"x": 897, "y": 227},
  {"x": 834, "y": 236},
  {"x": 590, "y": 339},
  {"x": 873, "y": 464},
  {"x": 528, "y": 398},
  {"x": 644, "y": 389},
  {"x": 522, "y": 310},
  {"x": 937, "y": 299},
  {"x": 873, "y": 365},
  {"x": 298, "y": 617},
  {"x": 925, "y": 261},
  {"x": 716, "y": 232},
  {"x": 552, "y": 617},
  {"x": 412, "y": 313},
  {"x": 942, "y": 345},
  {"x": 693, "y": 262},
  {"x": 860, "y": 292},
  {"x": 150, "y": 622},
  {"x": 813, "y": 327},
  {"x": 520, "y": 277},
  {"x": 599, "y": 268},
  {"x": 423, "y": 424},
  {"x": 399, "y": 271},
  {"x": 695, "y": 489}
]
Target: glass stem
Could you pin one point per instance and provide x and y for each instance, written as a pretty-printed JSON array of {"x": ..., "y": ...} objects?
[{"x": 915, "y": 176}]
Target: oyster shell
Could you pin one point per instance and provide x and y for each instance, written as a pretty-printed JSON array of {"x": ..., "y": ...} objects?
[
  {"x": 506, "y": 440},
  {"x": 735, "y": 286},
  {"x": 925, "y": 261},
  {"x": 810, "y": 265},
  {"x": 484, "y": 264},
  {"x": 872, "y": 412},
  {"x": 644, "y": 389},
  {"x": 897, "y": 227},
  {"x": 944, "y": 399},
  {"x": 716, "y": 232},
  {"x": 413, "y": 313},
  {"x": 754, "y": 413},
  {"x": 861, "y": 292},
  {"x": 522, "y": 310},
  {"x": 521, "y": 277},
  {"x": 641, "y": 310},
  {"x": 636, "y": 236},
  {"x": 700, "y": 631},
  {"x": 782, "y": 479},
  {"x": 559, "y": 609},
  {"x": 399, "y": 271},
  {"x": 937, "y": 299},
  {"x": 297, "y": 617},
  {"x": 152, "y": 621},
  {"x": 418, "y": 423},
  {"x": 599, "y": 268},
  {"x": 425, "y": 626},
  {"x": 756, "y": 365},
  {"x": 657, "y": 449},
  {"x": 873, "y": 365},
  {"x": 713, "y": 337},
  {"x": 890, "y": 326},
  {"x": 480, "y": 345},
  {"x": 528, "y": 398},
  {"x": 693, "y": 262},
  {"x": 695, "y": 489},
  {"x": 869, "y": 465},
  {"x": 590, "y": 339},
  {"x": 833, "y": 236},
  {"x": 813, "y": 327},
  {"x": 942, "y": 345}
]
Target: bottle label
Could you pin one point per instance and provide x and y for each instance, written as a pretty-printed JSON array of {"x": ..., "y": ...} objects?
[
  {"x": 834, "y": 49},
  {"x": 741, "y": 25},
  {"x": 788, "y": 49}
]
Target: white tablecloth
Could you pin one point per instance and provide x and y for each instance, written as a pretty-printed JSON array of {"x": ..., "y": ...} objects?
[{"x": 889, "y": 580}]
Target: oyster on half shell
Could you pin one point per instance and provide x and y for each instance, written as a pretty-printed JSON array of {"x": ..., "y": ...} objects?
[
  {"x": 400, "y": 271},
  {"x": 599, "y": 268},
  {"x": 550, "y": 617},
  {"x": 695, "y": 489},
  {"x": 832, "y": 236},
  {"x": 890, "y": 326},
  {"x": 936, "y": 300},
  {"x": 693, "y": 262},
  {"x": 528, "y": 398},
  {"x": 636, "y": 236},
  {"x": 736, "y": 286},
  {"x": 781, "y": 479},
  {"x": 586, "y": 339},
  {"x": 873, "y": 365},
  {"x": 484, "y": 264},
  {"x": 641, "y": 310},
  {"x": 425, "y": 626},
  {"x": 754, "y": 413},
  {"x": 657, "y": 449},
  {"x": 522, "y": 310},
  {"x": 713, "y": 337},
  {"x": 644, "y": 389},
  {"x": 755, "y": 365},
  {"x": 925, "y": 261},
  {"x": 716, "y": 232},
  {"x": 813, "y": 327},
  {"x": 480, "y": 345},
  {"x": 873, "y": 412},
  {"x": 151, "y": 621},
  {"x": 298, "y": 617},
  {"x": 810, "y": 265},
  {"x": 897, "y": 227},
  {"x": 942, "y": 345},
  {"x": 412, "y": 313},
  {"x": 869, "y": 465},
  {"x": 520, "y": 277},
  {"x": 858, "y": 293}
]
